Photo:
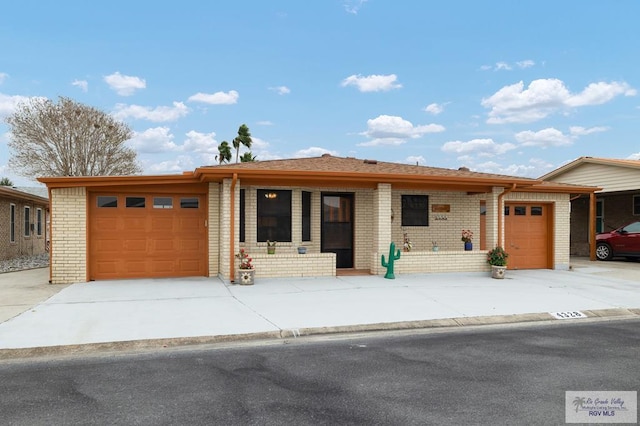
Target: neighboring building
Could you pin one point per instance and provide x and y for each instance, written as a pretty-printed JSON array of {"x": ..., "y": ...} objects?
[
  {"x": 23, "y": 228},
  {"x": 345, "y": 211},
  {"x": 617, "y": 202}
]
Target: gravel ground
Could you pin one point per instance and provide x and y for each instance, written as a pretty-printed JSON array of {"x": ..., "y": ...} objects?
[{"x": 24, "y": 262}]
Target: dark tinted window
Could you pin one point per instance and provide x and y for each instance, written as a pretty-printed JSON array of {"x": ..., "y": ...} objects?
[
  {"x": 415, "y": 210},
  {"x": 274, "y": 215},
  {"x": 306, "y": 216},
  {"x": 134, "y": 202},
  {"x": 189, "y": 203},
  {"x": 107, "y": 201}
]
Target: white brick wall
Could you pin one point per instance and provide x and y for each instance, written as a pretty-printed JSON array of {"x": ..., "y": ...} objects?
[{"x": 68, "y": 235}]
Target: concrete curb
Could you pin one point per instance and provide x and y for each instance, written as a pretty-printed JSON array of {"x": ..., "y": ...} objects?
[{"x": 91, "y": 348}]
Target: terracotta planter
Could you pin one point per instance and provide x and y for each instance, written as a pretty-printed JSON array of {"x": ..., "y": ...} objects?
[
  {"x": 245, "y": 276},
  {"x": 498, "y": 272}
]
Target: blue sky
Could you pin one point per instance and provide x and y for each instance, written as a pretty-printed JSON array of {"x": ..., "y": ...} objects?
[{"x": 512, "y": 87}]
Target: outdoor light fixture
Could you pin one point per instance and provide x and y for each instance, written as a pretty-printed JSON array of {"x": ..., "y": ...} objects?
[{"x": 270, "y": 195}]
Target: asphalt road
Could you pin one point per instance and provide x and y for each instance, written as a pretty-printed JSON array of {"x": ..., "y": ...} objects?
[{"x": 502, "y": 375}]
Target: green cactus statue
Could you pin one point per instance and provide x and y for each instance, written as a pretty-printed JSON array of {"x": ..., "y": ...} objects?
[{"x": 392, "y": 259}]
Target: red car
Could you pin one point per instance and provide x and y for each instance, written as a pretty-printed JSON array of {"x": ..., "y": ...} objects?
[{"x": 624, "y": 242}]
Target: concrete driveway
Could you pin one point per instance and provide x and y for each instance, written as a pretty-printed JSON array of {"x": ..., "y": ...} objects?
[{"x": 174, "y": 311}]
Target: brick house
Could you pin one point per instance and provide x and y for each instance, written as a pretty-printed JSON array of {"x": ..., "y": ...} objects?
[
  {"x": 23, "y": 230},
  {"x": 617, "y": 202},
  {"x": 345, "y": 211}
]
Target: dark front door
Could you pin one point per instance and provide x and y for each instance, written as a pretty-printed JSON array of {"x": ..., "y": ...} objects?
[{"x": 337, "y": 228}]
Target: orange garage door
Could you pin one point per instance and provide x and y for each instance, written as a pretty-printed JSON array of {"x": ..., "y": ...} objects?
[
  {"x": 147, "y": 235},
  {"x": 528, "y": 235}
]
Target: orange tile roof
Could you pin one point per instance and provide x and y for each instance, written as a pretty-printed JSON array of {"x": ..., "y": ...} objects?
[
  {"x": 330, "y": 171},
  {"x": 329, "y": 163}
]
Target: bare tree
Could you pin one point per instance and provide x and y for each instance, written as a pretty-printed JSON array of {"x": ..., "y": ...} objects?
[{"x": 68, "y": 139}]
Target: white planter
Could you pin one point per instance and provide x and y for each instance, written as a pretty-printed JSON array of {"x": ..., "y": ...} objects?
[
  {"x": 245, "y": 276},
  {"x": 498, "y": 271}
]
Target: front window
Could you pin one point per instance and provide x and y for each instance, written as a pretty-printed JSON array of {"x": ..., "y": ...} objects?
[
  {"x": 633, "y": 228},
  {"x": 274, "y": 215},
  {"x": 415, "y": 210},
  {"x": 306, "y": 216},
  {"x": 636, "y": 205}
]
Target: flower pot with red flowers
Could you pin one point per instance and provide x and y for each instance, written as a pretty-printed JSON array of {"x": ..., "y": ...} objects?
[
  {"x": 245, "y": 274},
  {"x": 467, "y": 236}
]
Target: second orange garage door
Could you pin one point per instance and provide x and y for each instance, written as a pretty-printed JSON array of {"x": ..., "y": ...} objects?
[
  {"x": 528, "y": 235},
  {"x": 147, "y": 235}
]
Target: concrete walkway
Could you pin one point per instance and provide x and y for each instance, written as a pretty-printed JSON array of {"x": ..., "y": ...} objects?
[{"x": 161, "y": 312}]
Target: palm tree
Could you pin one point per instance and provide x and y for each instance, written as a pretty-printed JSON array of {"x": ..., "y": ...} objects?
[
  {"x": 243, "y": 138},
  {"x": 224, "y": 152},
  {"x": 578, "y": 402},
  {"x": 247, "y": 157}
]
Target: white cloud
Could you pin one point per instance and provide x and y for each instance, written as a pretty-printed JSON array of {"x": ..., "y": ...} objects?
[
  {"x": 505, "y": 66},
  {"x": 264, "y": 123},
  {"x": 481, "y": 147},
  {"x": 179, "y": 164},
  {"x": 515, "y": 104},
  {"x": 3, "y": 77},
  {"x": 218, "y": 98},
  {"x": 280, "y": 90},
  {"x": 502, "y": 66},
  {"x": 434, "y": 108},
  {"x": 581, "y": 131},
  {"x": 153, "y": 140},
  {"x": 201, "y": 143},
  {"x": 635, "y": 156},
  {"x": 157, "y": 114},
  {"x": 313, "y": 151},
  {"x": 353, "y": 6},
  {"x": 393, "y": 130},
  {"x": 527, "y": 63},
  {"x": 415, "y": 159},
  {"x": 124, "y": 85},
  {"x": 600, "y": 93},
  {"x": 8, "y": 103},
  {"x": 372, "y": 83},
  {"x": 82, "y": 84},
  {"x": 544, "y": 138}
]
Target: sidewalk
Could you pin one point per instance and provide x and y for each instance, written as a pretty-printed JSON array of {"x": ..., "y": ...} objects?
[{"x": 160, "y": 312}]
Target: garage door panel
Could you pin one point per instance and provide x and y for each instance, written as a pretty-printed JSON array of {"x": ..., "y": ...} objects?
[
  {"x": 147, "y": 242},
  {"x": 160, "y": 224}
]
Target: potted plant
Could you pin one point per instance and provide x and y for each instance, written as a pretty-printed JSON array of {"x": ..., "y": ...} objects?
[
  {"x": 434, "y": 246},
  {"x": 467, "y": 236},
  {"x": 302, "y": 250},
  {"x": 245, "y": 273},
  {"x": 497, "y": 258},
  {"x": 407, "y": 245},
  {"x": 271, "y": 247}
]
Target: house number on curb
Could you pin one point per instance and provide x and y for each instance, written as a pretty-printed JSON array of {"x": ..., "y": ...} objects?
[{"x": 568, "y": 315}]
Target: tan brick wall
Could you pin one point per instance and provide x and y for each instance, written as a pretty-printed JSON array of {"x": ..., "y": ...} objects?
[
  {"x": 444, "y": 228},
  {"x": 295, "y": 265},
  {"x": 213, "y": 226},
  {"x": 441, "y": 261},
  {"x": 69, "y": 235}
]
